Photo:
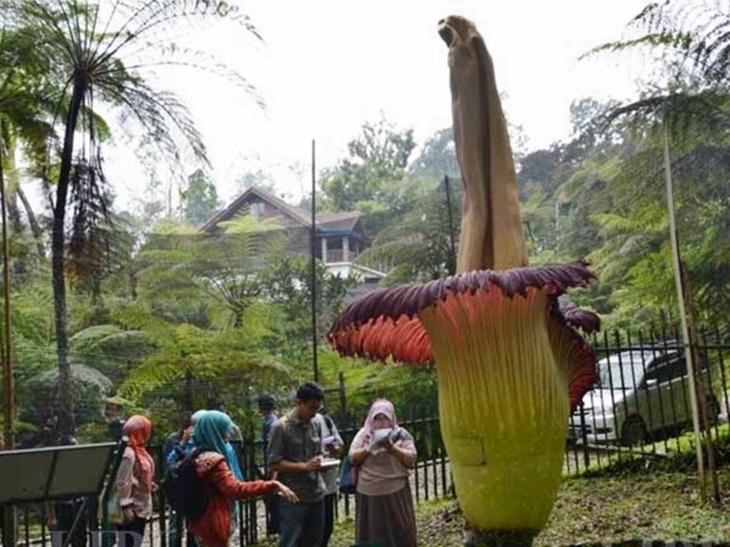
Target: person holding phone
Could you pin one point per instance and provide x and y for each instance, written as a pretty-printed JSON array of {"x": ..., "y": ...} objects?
[
  {"x": 385, "y": 453},
  {"x": 175, "y": 448}
]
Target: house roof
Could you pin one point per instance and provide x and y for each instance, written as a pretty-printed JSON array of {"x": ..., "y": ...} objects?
[
  {"x": 235, "y": 206},
  {"x": 338, "y": 221},
  {"x": 330, "y": 221}
]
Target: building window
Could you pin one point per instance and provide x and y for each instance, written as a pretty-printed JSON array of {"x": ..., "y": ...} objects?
[{"x": 257, "y": 209}]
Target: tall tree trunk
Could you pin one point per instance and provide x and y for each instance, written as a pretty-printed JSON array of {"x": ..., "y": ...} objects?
[
  {"x": 35, "y": 228},
  {"x": 7, "y": 364},
  {"x": 58, "y": 240},
  {"x": 20, "y": 263},
  {"x": 12, "y": 185}
]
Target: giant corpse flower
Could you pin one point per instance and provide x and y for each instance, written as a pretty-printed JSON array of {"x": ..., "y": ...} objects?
[{"x": 510, "y": 361}]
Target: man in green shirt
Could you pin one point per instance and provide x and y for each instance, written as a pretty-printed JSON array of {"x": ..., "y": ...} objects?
[{"x": 295, "y": 454}]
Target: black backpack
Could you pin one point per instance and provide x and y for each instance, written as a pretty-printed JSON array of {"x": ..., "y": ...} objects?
[{"x": 185, "y": 492}]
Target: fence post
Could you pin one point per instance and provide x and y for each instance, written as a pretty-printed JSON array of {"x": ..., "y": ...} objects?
[
  {"x": 584, "y": 434},
  {"x": 160, "y": 469},
  {"x": 248, "y": 511},
  {"x": 343, "y": 397},
  {"x": 10, "y": 525}
]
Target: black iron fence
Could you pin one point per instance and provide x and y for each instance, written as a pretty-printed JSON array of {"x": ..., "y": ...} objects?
[
  {"x": 641, "y": 405},
  {"x": 643, "y": 401},
  {"x": 430, "y": 479}
]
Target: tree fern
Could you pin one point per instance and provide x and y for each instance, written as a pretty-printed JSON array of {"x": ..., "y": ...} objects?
[
  {"x": 419, "y": 247},
  {"x": 100, "y": 52}
]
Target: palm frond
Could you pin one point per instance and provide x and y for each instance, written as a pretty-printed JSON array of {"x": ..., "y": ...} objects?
[
  {"x": 697, "y": 31},
  {"x": 686, "y": 113}
]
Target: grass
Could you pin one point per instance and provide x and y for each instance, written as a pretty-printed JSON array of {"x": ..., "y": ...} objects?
[
  {"x": 621, "y": 509},
  {"x": 629, "y": 502},
  {"x": 659, "y": 506}
]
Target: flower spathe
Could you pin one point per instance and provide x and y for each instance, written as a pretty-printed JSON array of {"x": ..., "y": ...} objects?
[
  {"x": 510, "y": 366},
  {"x": 504, "y": 340}
]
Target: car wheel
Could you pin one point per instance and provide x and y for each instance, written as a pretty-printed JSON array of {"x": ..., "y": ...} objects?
[{"x": 633, "y": 432}]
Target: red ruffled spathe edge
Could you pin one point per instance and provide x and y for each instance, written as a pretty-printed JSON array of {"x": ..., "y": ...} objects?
[{"x": 384, "y": 323}]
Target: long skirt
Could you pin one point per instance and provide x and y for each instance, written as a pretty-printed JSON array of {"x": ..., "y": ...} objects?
[{"x": 386, "y": 521}]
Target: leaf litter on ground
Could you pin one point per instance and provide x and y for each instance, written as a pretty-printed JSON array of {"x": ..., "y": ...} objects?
[{"x": 647, "y": 508}]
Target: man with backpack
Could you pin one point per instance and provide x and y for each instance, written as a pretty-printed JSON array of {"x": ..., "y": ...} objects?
[
  {"x": 174, "y": 450},
  {"x": 332, "y": 448},
  {"x": 178, "y": 440},
  {"x": 295, "y": 454}
]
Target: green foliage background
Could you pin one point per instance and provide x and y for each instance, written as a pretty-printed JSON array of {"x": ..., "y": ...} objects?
[{"x": 169, "y": 317}]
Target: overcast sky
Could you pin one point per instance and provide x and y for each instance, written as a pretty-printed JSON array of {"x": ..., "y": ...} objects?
[{"x": 327, "y": 66}]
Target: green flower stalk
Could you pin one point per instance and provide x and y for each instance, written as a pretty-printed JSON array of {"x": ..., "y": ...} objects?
[{"x": 511, "y": 364}]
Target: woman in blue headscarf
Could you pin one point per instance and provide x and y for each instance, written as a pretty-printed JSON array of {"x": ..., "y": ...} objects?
[
  {"x": 214, "y": 527},
  {"x": 230, "y": 454},
  {"x": 184, "y": 448}
]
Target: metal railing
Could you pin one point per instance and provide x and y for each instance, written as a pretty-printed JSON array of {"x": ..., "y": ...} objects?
[
  {"x": 641, "y": 406},
  {"x": 430, "y": 479},
  {"x": 338, "y": 255}
]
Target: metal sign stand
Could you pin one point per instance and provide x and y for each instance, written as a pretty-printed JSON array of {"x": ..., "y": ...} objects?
[{"x": 58, "y": 473}]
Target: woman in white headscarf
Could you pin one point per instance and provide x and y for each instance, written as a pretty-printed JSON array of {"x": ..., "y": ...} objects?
[{"x": 384, "y": 453}]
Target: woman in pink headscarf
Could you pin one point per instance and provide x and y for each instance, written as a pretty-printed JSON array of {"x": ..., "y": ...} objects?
[
  {"x": 384, "y": 453},
  {"x": 131, "y": 496}
]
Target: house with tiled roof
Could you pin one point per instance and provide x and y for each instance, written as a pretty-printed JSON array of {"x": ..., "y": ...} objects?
[{"x": 339, "y": 237}]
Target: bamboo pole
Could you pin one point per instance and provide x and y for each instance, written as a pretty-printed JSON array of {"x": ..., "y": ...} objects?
[
  {"x": 701, "y": 392},
  {"x": 682, "y": 311}
]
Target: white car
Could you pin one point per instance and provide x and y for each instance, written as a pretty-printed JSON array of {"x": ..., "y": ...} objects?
[{"x": 640, "y": 393}]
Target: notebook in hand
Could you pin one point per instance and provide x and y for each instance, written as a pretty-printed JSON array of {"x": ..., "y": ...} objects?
[
  {"x": 378, "y": 436},
  {"x": 330, "y": 462}
]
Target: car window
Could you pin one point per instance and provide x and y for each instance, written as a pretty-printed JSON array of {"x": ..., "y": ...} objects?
[
  {"x": 667, "y": 368},
  {"x": 623, "y": 370}
]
